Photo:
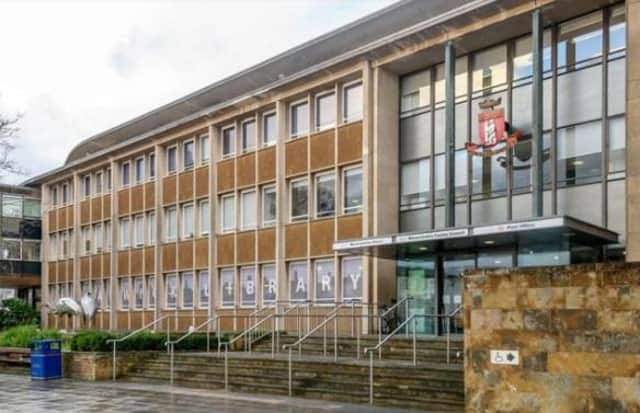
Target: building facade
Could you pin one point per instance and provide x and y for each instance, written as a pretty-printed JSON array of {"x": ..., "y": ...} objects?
[{"x": 342, "y": 170}]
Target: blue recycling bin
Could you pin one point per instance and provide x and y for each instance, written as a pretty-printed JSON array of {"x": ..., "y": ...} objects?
[{"x": 46, "y": 359}]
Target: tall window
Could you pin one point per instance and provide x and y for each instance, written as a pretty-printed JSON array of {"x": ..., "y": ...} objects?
[
  {"x": 139, "y": 170},
  {"x": 269, "y": 284},
  {"x": 187, "y": 221},
  {"x": 107, "y": 293},
  {"x": 352, "y": 189},
  {"x": 151, "y": 291},
  {"x": 152, "y": 165},
  {"x": 268, "y": 205},
  {"x": 415, "y": 91},
  {"x": 87, "y": 186},
  {"x": 151, "y": 228},
  {"x": 54, "y": 195},
  {"x": 228, "y": 213},
  {"x": 138, "y": 293},
  {"x": 414, "y": 182},
  {"x": 298, "y": 281},
  {"x": 124, "y": 233},
  {"x": 269, "y": 128},
  {"x": 98, "y": 183},
  {"x": 98, "y": 238},
  {"x": 31, "y": 208},
  {"x": 86, "y": 240},
  {"x": 352, "y": 103},
  {"x": 109, "y": 179},
  {"x": 248, "y": 286},
  {"x": 172, "y": 159},
  {"x": 248, "y": 206},
  {"x": 125, "y": 174},
  {"x": 125, "y": 292},
  {"x": 139, "y": 230},
  {"x": 12, "y": 206},
  {"x": 325, "y": 195},
  {"x": 204, "y": 217},
  {"x": 107, "y": 236},
  {"x": 299, "y": 199},
  {"x": 203, "y": 289},
  {"x": 489, "y": 69},
  {"x": 187, "y": 290},
  {"x": 579, "y": 41},
  {"x": 65, "y": 194},
  {"x": 171, "y": 291},
  {"x": 325, "y": 111},
  {"x": 228, "y": 142},
  {"x": 325, "y": 280},
  {"x": 299, "y": 119},
  {"x": 171, "y": 223},
  {"x": 188, "y": 154},
  {"x": 248, "y": 135},
  {"x": 204, "y": 149},
  {"x": 227, "y": 292}
]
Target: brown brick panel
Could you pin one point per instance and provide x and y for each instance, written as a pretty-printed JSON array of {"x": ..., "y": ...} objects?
[
  {"x": 169, "y": 257},
  {"x": 149, "y": 195},
  {"x": 85, "y": 271},
  {"x": 137, "y": 258},
  {"x": 61, "y": 270},
  {"x": 322, "y": 237},
  {"x": 106, "y": 265},
  {"x": 202, "y": 181},
  {"x": 53, "y": 220},
  {"x": 123, "y": 263},
  {"x": 247, "y": 170},
  {"x": 136, "y": 319},
  {"x": 350, "y": 143},
  {"x": 225, "y": 175},
  {"x": 169, "y": 184},
  {"x": 96, "y": 209},
  {"x": 322, "y": 150},
  {"x": 267, "y": 244},
  {"x": 247, "y": 247},
  {"x": 186, "y": 186},
  {"x": 123, "y": 201},
  {"x": 85, "y": 211},
  {"x": 296, "y": 240},
  {"x": 137, "y": 198},
  {"x": 296, "y": 157},
  {"x": 70, "y": 216},
  {"x": 52, "y": 271},
  {"x": 350, "y": 226},
  {"x": 185, "y": 320},
  {"x": 122, "y": 320},
  {"x": 96, "y": 266},
  {"x": 70, "y": 269},
  {"x": 225, "y": 249},
  {"x": 202, "y": 253},
  {"x": 185, "y": 255},
  {"x": 106, "y": 205},
  {"x": 149, "y": 260},
  {"x": 62, "y": 218},
  {"x": 267, "y": 164}
]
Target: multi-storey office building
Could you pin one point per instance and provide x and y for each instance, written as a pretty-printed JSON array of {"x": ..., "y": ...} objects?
[
  {"x": 20, "y": 228},
  {"x": 345, "y": 169}
]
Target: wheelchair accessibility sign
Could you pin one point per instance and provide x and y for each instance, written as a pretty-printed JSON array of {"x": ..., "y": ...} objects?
[{"x": 508, "y": 357}]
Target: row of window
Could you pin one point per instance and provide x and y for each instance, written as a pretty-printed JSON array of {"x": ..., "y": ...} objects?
[
  {"x": 17, "y": 206},
  {"x": 19, "y": 250}
]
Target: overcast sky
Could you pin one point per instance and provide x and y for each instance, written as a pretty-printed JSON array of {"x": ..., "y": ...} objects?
[{"x": 76, "y": 68}]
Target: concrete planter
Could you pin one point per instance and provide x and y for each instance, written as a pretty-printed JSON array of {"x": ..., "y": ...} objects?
[{"x": 98, "y": 366}]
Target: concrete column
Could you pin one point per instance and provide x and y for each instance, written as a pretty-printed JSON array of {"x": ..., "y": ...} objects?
[
  {"x": 537, "y": 143},
  {"x": 633, "y": 130},
  {"x": 450, "y": 134}
]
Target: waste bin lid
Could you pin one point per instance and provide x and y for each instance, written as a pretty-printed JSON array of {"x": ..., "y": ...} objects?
[{"x": 47, "y": 340}]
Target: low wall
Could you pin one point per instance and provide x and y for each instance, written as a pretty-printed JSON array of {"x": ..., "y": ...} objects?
[
  {"x": 577, "y": 331},
  {"x": 98, "y": 366}
]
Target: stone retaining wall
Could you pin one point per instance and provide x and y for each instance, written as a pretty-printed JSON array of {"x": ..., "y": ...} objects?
[
  {"x": 577, "y": 330},
  {"x": 98, "y": 366}
]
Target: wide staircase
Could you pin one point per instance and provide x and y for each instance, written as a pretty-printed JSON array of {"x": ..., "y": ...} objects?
[{"x": 432, "y": 385}]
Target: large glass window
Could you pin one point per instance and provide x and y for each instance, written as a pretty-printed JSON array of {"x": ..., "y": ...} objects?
[
  {"x": 489, "y": 174},
  {"x": 228, "y": 213},
  {"x": 325, "y": 280},
  {"x": 203, "y": 289},
  {"x": 489, "y": 69},
  {"x": 98, "y": 183},
  {"x": 228, "y": 142},
  {"x": 171, "y": 291},
  {"x": 151, "y": 228},
  {"x": 299, "y": 121},
  {"x": 30, "y": 251},
  {"x": 617, "y": 144},
  {"x": 579, "y": 156},
  {"x": 248, "y": 135},
  {"x": 125, "y": 292},
  {"x": 414, "y": 182},
  {"x": 325, "y": 111},
  {"x": 268, "y": 205},
  {"x": 187, "y": 221},
  {"x": 352, "y": 102},
  {"x": 617, "y": 29},
  {"x": 187, "y": 290},
  {"x": 521, "y": 163},
  {"x": 152, "y": 165},
  {"x": 523, "y": 58},
  {"x": 269, "y": 128},
  {"x": 579, "y": 41},
  {"x": 248, "y": 286},
  {"x": 415, "y": 91},
  {"x": 87, "y": 186},
  {"x": 325, "y": 195},
  {"x": 125, "y": 233},
  {"x": 415, "y": 137},
  {"x": 10, "y": 249},
  {"x": 12, "y": 206},
  {"x": 98, "y": 238},
  {"x": 298, "y": 281},
  {"x": 138, "y": 293},
  {"x": 299, "y": 198},
  {"x": 139, "y": 230},
  {"x": 171, "y": 224},
  {"x": 248, "y": 205},
  {"x": 460, "y": 80},
  {"x": 352, "y": 191},
  {"x": 269, "y": 284},
  {"x": 227, "y": 295}
]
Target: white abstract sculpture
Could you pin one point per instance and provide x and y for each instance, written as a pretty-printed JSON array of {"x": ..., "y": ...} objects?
[
  {"x": 89, "y": 306},
  {"x": 68, "y": 306}
]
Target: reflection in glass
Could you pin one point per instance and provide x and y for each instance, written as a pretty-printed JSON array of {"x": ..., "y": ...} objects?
[
  {"x": 579, "y": 40},
  {"x": 414, "y": 182},
  {"x": 579, "y": 153}
]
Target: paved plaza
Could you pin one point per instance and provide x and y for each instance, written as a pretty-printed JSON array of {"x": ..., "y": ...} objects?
[{"x": 20, "y": 394}]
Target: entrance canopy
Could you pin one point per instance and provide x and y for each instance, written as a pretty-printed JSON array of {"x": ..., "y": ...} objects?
[{"x": 534, "y": 231}]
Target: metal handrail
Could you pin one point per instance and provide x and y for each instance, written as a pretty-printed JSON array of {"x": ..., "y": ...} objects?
[
  {"x": 115, "y": 341},
  {"x": 383, "y": 314},
  {"x": 449, "y": 318}
]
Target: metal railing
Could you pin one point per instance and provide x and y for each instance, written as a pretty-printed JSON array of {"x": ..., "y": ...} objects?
[
  {"x": 128, "y": 336},
  {"x": 451, "y": 316},
  {"x": 394, "y": 307},
  {"x": 171, "y": 344}
]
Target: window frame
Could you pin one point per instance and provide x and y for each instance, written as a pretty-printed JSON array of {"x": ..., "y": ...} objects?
[
  {"x": 122, "y": 175},
  {"x": 138, "y": 239},
  {"x": 182, "y": 290},
  {"x": 127, "y": 281},
  {"x": 150, "y": 228},
  {"x": 121, "y": 221},
  {"x": 98, "y": 184},
  {"x": 269, "y": 303},
  {"x": 351, "y": 210},
  {"x": 243, "y": 123},
  {"x": 316, "y": 99},
  {"x": 183, "y": 225},
  {"x": 203, "y": 274},
  {"x": 316, "y": 180},
  {"x": 222, "y": 303},
  {"x": 86, "y": 186},
  {"x": 140, "y": 179},
  {"x": 167, "y": 237},
  {"x": 151, "y": 166},
  {"x": 183, "y": 146},
  {"x": 232, "y": 152},
  {"x": 263, "y": 192},
  {"x": 168, "y": 149},
  {"x": 201, "y": 139},
  {"x": 174, "y": 276},
  {"x": 295, "y": 104},
  {"x": 243, "y": 226},
  {"x": 201, "y": 231},
  {"x": 324, "y": 301},
  {"x": 343, "y": 260},
  {"x": 232, "y": 228},
  {"x": 345, "y": 87},
  {"x": 135, "y": 296},
  {"x": 291, "y": 184},
  {"x": 263, "y": 117}
]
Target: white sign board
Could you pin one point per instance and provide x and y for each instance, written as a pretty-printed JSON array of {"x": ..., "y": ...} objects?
[{"x": 508, "y": 357}]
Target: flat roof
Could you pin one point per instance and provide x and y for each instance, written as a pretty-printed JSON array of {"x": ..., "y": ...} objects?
[{"x": 528, "y": 231}]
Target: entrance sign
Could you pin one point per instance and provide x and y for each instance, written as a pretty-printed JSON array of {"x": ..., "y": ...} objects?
[
  {"x": 433, "y": 235},
  {"x": 363, "y": 243},
  {"x": 493, "y": 131},
  {"x": 298, "y": 281},
  {"x": 248, "y": 286},
  {"x": 518, "y": 226},
  {"x": 325, "y": 280},
  {"x": 269, "y": 284},
  {"x": 506, "y": 357}
]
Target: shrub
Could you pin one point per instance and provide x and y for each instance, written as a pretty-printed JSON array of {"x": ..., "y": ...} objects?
[
  {"x": 15, "y": 312},
  {"x": 96, "y": 340},
  {"x": 91, "y": 340},
  {"x": 21, "y": 336}
]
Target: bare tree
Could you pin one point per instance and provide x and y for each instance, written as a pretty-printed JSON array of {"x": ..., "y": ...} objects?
[{"x": 8, "y": 136}]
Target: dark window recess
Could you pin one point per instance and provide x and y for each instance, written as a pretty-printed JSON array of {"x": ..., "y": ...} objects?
[
  {"x": 11, "y": 227},
  {"x": 31, "y": 267},
  {"x": 31, "y": 229},
  {"x": 19, "y": 267}
]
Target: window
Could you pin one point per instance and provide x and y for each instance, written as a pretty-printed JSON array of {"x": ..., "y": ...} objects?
[
  {"x": 151, "y": 291},
  {"x": 204, "y": 149},
  {"x": 30, "y": 251},
  {"x": 139, "y": 170},
  {"x": 227, "y": 296},
  {"x": 352, "y": 189},
  {"x": 269, "y": 129},
  {"x": 139, "y": 230},
  {"x": 107, "y": 236},
  {"x": 125, "y": 174},
  {"x": 203, "y": 289},
  {"x": 268, "y": 205},
  {"x": 579, "y": 156},
  {"x": 325, "y": 111},
  {"x": 151, "y": 228},
  {"x": 152, "y": 165},
  {"x": 298, "y": 281},
  {"x": 325, "y": 195},
  {"x": 299, "y": 122},
  {"x": 98, "y": 294},
  {"x": 53, "y": 247},
  {"x": 64, "y": 245},
  {"x": 269, "y": 284},
  {"x": 86, "y": 240},
  {"x": 325, "y": 280},
  {"x": 488, "y": 176},
  {"x": 352, "y": 279},
  {"x": 31, "y": 208},
  {"x": 414, "y": 182},
  {"x": 171, "y": 289},
  {"x": 248, "y": 206},
  {"x": 489, "y": 69},
  {"x": 248, "y": 286},
  {"x": 98, "y": 238},
  {"x": 98, "y": 183},
  {"x": 109, "y": 179},
  {"x": 204, "y": 217},
  {"x": 188, "y": 154},
  {"x": 522, "y": 59},
  {"x": 248, "y": 135},
  {"x": 579, "y": 41},
  {"x": 352, "y": 103},
  {"x": 617, "y": 144},
  {"x": 170, "y": 224},
  {"x": 138, "y": 293},
  {"x": 415, "y": 91},
  {"x": 107, "y": 293},
  {"x": 65, "y": 194},
  {"x": 54, "y": 196},
  {"x": 12, "y": 206},
  {"x": 85, "y": 288},
  {"x": 228, "y": 213},
  {"x": 172, "y": 159},
  {"x": 124, "y": 233},
  {"x": 87, "y": 186},
  {"x": 299, "y": 198},
  {"x": 617, "y": 29},
  {"x": 125, "y": 293},
  {"x": 187, "y": 221},
  {"x": 228, "y": 142},
  {"x": 187, "y": 290}
]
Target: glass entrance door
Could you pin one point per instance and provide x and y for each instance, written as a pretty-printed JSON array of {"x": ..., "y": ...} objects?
[{"x": 416, "y": 278}]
